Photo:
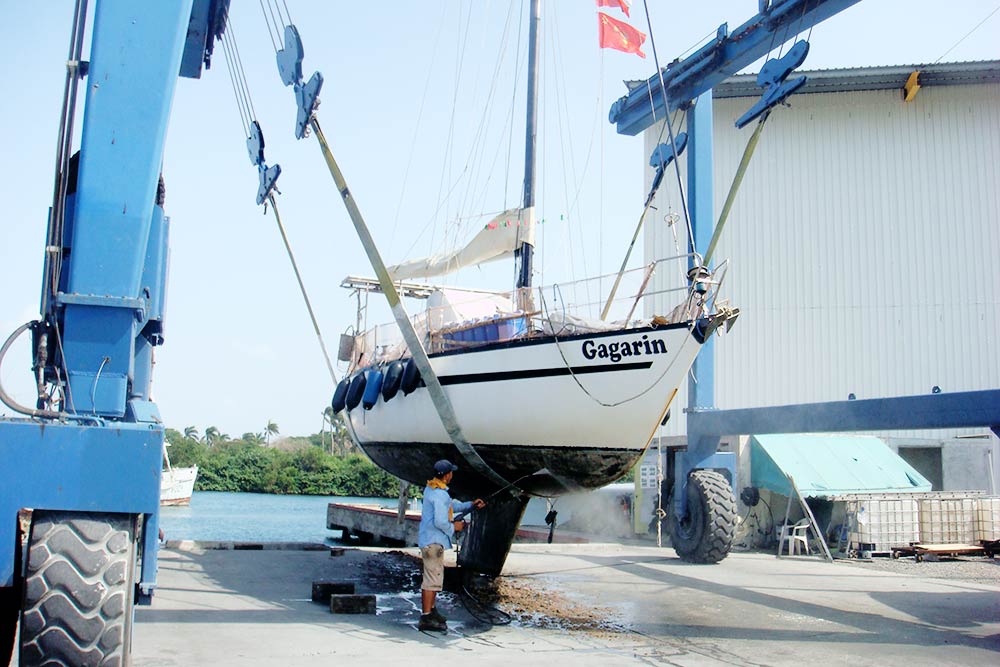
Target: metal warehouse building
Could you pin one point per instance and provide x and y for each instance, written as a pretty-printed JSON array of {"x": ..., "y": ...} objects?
[{"x": 863, "y": 247}]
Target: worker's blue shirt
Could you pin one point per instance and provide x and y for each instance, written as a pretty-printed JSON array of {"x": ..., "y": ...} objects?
[{"x": 435, "y": 524}]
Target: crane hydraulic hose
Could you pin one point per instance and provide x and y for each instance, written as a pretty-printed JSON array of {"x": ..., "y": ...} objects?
[{"x": 9, "y": 400}]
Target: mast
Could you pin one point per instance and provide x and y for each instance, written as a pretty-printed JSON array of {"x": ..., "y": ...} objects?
[{"x": 525, "y": 252}]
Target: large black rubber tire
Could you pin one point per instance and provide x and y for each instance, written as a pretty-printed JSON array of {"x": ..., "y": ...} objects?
[
  {"x": 705, "y": 535},
  {"x": 10, "y": 605},
  {"x": 79, "y": 588}
]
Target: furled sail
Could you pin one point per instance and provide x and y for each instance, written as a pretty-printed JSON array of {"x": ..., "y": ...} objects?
[{"x": 498, "y": 239}]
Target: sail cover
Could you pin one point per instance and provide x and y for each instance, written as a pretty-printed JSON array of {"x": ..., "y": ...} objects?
[{"x": 498, "y": 239}]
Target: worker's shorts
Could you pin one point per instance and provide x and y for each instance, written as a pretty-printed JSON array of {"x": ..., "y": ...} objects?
[{"x": 433, "y": 555}]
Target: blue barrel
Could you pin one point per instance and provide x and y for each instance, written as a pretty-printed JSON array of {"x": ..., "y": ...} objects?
[
  {"x": 372, "y": 388},
  {"x": 393, "y": 377}
]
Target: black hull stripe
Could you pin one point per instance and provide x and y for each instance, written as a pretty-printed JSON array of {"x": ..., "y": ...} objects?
[{"x": 469, "y": 378}]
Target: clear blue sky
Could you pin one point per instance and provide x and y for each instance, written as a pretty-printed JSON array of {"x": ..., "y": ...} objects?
[{"x": 240, "y": 350}]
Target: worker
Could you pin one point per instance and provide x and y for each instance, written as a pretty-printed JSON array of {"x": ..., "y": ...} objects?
[{"x": 437, "y": 527}]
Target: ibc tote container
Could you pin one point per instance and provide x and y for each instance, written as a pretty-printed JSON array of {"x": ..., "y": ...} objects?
[
  {"x": 947, "y": 520},
  {"x": 987, "y": 519},
  {"x": 879, "y": 524}
]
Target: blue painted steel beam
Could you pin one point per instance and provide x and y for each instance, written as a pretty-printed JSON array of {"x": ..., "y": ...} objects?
[
  {"x": 932, "y": 411},
  {"x": 79, "y": 468},
  {"x": 134, "y": 62},
  {"x": 702, "y": 212},
  {"x": 727, "y": 54}
]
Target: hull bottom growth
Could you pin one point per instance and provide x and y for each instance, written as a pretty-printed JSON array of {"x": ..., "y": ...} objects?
[{"x": 569, "y": 468}]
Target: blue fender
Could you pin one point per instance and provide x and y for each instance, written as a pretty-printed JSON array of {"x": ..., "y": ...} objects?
[{"x": 372, "y": 388}]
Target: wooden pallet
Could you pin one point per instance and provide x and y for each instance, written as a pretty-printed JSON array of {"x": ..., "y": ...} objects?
[{"x": 920, "y": 551}]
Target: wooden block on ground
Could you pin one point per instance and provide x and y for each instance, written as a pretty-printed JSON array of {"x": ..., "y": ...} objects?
[
  {"x": 336, "y": 551},
  {"x": 322, "y": 590},
  {"x": 352, "y": 604}
]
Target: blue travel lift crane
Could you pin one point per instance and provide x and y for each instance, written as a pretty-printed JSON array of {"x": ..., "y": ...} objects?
[
  {"x": 86, "y": 458},
  {"x": 687, "y": 84}
]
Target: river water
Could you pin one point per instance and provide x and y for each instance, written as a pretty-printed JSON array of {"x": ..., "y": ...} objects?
[{"x": 256, "y": 517}]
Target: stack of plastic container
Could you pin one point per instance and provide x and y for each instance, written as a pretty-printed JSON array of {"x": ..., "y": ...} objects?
[
  {"x": 947, "y": 518},
  {"x": 877, "y": 523},
  {"x": 987, "y": 519}
]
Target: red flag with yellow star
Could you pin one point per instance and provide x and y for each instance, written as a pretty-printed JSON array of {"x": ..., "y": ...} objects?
[{"x": 614, "y": 34}]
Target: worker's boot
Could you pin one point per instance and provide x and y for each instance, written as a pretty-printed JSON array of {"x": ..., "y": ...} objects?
[
  {"x": 430, "y": 622},
  {"x": 438, "y": 615}
]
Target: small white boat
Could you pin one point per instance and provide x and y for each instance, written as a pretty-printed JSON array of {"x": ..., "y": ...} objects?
[{"x": 176, "y": 484}]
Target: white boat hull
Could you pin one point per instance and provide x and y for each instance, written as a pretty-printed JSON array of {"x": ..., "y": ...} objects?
[
  {"x": 584, "y": 407},
  {"x": 177, "y": 485}
]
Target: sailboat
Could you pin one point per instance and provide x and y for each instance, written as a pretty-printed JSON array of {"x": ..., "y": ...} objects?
[{"x": 550, "y": 396}]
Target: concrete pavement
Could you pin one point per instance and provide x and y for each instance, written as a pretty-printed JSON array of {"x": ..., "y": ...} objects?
[{"x": 253, "y": 608}]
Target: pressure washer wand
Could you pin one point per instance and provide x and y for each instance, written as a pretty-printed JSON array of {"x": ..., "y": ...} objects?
[{"x": 541, "y": 471}]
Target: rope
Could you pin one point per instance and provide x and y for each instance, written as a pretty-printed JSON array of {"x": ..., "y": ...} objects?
[
  {"x": 737, "y": 180},
  {"x": 642, "y": 393},
  {"x": 302, "y": 287}
]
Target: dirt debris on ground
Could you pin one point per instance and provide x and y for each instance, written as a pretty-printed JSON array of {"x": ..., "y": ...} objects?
[{"x": 531, "y": 603}]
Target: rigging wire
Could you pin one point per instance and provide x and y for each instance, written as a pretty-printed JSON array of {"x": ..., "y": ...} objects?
[
  {"x": 243, "y": 111},
  {"x": 673, "y": 144},
  {"x": 513, "y": 98},
  {"x": 302, "y": 289},
  {"x": 242, "y": 71},
  {"x": 416, "y": 129},
  {"x": 477, "y": 153},
  {"x": 975, "y": 28},
  {"x": 267, "y": 21},
  {"x": 565, "y": 145},
  {"x": 248, "y": 115}
]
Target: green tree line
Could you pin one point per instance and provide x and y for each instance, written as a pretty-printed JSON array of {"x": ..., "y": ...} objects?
[{"x": 324, "y": 464}]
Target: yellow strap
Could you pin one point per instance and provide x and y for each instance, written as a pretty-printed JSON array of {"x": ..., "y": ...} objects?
[{"x": 737, "y": 180}]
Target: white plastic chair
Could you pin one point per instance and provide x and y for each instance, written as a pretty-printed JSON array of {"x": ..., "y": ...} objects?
[{"x": 795, "y": 535}]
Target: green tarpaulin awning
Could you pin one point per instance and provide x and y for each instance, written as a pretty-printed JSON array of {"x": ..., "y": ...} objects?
[{"x": 830, "y": 465}]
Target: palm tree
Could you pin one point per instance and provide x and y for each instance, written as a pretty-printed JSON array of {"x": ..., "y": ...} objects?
[
  {"x": 191, "y": 432},
  {"x": 211, "y": 435},
  {"x": 252, "y": 438},
  {"x": 269, "y": 430},
  {"x": 327, "y": 422}
]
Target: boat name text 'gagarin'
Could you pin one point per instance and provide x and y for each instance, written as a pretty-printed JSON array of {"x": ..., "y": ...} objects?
[{"x": 617, "y": 351}]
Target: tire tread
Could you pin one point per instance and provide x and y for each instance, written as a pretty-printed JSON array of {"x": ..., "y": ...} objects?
[
  {"x": 719, "y": 512},
  {"x": 74, "y": 571}
]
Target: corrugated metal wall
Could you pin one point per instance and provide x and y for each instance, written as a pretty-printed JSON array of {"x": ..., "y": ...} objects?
[{"x": 864, "y": 246}]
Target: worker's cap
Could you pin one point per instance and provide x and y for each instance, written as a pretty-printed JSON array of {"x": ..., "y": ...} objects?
[{"x": 444, "y": 466}]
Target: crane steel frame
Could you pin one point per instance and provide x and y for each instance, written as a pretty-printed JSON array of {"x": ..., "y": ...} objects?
[{"x": 688, "y": 85}]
